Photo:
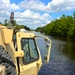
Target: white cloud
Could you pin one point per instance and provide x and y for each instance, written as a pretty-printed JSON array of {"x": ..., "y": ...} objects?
[
  {"x": 28, "y": 16},
  {"x": 1, "y": 19},
  {"x": 3, "y": 13},
  {"x": 31, "y": 18},
  {"x": 6, "y": 5},
  {"x": 31, "y": 15},
  {"x": 60, "y": 5},
  {"x": 5, "y": 8},
  {"x": 57, "y": 2},
  {"x": 36, "y": 22},
  {"x": 32, "y": 4},
  {"x": 53, "y": 6}
]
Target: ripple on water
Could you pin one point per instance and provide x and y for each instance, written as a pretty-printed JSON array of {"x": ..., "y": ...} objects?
[{"x": 61, "y": 62}]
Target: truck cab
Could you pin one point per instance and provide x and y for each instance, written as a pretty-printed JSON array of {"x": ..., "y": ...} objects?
[
  {"x": 31, "y": 61},
  {"x": 23, "y": 51}
]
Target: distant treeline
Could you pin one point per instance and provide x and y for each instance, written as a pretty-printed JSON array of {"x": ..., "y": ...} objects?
[
  {"x": 15, "y": 24},
  {"x": 62, "y": 27}
]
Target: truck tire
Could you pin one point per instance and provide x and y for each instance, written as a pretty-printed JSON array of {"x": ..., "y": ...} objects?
[{"x": 6, "y": 61}]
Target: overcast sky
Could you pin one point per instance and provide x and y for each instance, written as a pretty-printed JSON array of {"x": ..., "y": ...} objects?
[{"x": 35, "y": 13}]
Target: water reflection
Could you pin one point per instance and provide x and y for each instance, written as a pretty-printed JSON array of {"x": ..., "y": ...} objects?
[
  {"x": 65, "y": 47},
  {"x": 62, "y": 61},
  {"x": 69, "y": 49}
]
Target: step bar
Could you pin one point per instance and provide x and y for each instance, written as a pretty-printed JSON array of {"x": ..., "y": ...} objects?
[{"x": 2, "y": 70}]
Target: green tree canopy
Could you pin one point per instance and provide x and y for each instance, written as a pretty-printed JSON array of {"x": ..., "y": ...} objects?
[{"x": 62, "y": 27}]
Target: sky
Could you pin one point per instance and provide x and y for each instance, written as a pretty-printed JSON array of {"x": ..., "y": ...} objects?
[{"x": 35, "y": 13}]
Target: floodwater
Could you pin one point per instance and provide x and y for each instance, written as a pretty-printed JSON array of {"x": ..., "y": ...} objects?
[{"x": 62, "y": 59}]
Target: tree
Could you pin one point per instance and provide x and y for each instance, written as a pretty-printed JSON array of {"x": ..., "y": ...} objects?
[
  {"x": 0, "y": 23},
  {"x": 5, "y": 22},
  {"x": 74, "y": 16},
  {"x": 63, "y": 27}
]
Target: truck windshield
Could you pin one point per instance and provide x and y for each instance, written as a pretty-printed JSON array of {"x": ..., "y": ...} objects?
[{"x": 30, "y": 50}]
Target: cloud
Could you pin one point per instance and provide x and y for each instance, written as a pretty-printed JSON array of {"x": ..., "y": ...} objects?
[
  {"x": 6, "y": 5},
  {"x": 53, "y": 6},
  {"x": 31, "y": 18},
  {"x": 4, "y": 15},
  {"x": 25, "y": 11},
  {"x": 60, "y": 5},
  {"x": 32, "y": 4},
  {"x": 6, "y": 8},
  {"x": 28, "y": 14}
]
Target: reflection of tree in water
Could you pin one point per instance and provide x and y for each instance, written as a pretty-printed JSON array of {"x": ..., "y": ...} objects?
[{"x": 69, "y": 49}]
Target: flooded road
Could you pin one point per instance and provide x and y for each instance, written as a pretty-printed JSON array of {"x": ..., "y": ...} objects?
[{"x": 62, "y": 59}]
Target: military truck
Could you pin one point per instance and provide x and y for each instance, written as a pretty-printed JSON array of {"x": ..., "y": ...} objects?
[{"x": 19, "y": 52}]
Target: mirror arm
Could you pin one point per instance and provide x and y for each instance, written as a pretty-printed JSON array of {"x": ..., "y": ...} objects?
[
  {"x": 44, "y": 38},
  {"x": 46, "y": 58}
]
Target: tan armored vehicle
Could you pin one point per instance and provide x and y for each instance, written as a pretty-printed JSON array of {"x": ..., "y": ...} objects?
[{"x": 19, "y": 53}]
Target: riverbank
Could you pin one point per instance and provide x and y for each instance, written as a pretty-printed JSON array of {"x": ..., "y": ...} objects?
[
  {"x": 62, "y": 27},
  {"x": 62, "y": 59}
]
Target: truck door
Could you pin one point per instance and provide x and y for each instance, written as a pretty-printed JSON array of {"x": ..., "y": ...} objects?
[{"x": 31, "y": 62}]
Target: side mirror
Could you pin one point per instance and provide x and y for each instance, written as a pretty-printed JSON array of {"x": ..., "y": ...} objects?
[
  {"x": 48, "y": 43},
  {"x": 47, "y": 53}
]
